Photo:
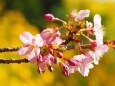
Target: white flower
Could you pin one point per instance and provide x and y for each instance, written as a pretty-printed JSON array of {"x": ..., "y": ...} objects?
[{"x": 98, "y": 30}]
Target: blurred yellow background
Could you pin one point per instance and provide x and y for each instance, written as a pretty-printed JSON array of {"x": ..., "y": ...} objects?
[{"x": 17, "y": 16}]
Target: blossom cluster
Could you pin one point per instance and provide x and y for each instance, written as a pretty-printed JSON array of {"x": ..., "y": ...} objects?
[{"x": 46, "y": 48}]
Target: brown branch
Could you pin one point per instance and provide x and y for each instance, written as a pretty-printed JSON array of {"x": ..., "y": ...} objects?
[
  {"x": 86, "y": 46},
  {"x": 8, "y": 49},
  {"x": 68, "y": 39},
  {"x": 19, "y": 61}
]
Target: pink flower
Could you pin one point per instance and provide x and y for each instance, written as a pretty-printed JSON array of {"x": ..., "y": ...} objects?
[
  {"x": 98, "y": 52},
  {"x": 51, "y": 36},
  {"x": 76, "y": 16},
  {"x": 46, "y": 60},
  {"x": 31, "y": 46},
  {"x": 69, "y": 66},
  {"x": 85, "y": 63},
  {"x": 81, "y": 63}
]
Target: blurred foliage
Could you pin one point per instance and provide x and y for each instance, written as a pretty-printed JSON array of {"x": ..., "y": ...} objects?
[{"x": 17, "y": 16}]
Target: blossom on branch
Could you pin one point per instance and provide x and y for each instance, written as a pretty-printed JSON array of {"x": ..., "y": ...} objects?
[
  {"x": 98, "y": 52},
  {"x": 46, "y": 49},
  {"x": 51, "y": 36},
  {"x": 77, "y": 16},
  {"x": 31, "y": 46},
  {"x": 46, "y": 60},
  {"x": 82, "y": 64}
]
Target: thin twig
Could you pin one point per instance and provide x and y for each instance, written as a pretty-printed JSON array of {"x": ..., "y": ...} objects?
[
  {"x": 8, "y": 49},
  {"x": 19, "y": 61},
  {"x": 85, "y": 46}
]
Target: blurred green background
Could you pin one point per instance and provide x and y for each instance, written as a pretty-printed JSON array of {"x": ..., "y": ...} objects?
[{"x": 17, "y": 16}]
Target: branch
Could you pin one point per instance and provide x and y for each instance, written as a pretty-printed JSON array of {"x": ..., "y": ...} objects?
[
  {"x": 19, "y": 61},
  {"x": 85, "y": 46},
  {"x": 68, "y": 39},
  {"x": 8, "y": 49}
]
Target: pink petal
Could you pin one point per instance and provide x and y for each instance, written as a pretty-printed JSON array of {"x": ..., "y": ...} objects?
[
  {"x": 104, "y": 48},
  {"x": 37, "y": 51},
  {"x": 90, "y": 66},
  {"x": 32, "y": 56},
  {"x": 32, "y": 59},
  {"x": 84, "y": 71},
  {"x": 97, "y": 21},
  {"x": 51, "y": 39},
  {"x": 26, "y": 37},
  {"x": 47, "y": 57},
  {"x": 83, "y": 13},
  {"x": 24, "y": 50},
  {"x": 58, "y": 40},
  {"x": 45, "y": 33},
  {"x": 42, "y": 66},
  {"x": 79, "y": 57},
  {"x": 38, "y": 40}
]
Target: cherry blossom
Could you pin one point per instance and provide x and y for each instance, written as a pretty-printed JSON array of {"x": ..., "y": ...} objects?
[
  {"x": 98, "y": 30},
  {"x": 45, "y": 60},
  {"x": 76, "y": 16},
  {"x": 31, "y": 46},
  {"x": 81, "y": 63},
  {"x": 51, "y": 36},
  {"x": 98, "y": 52},
  {"x": 85, "y": 63},
  {"x": 46, "y": 49}
]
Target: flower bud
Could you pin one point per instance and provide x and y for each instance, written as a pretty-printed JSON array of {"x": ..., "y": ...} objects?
[
  {"x": 60, "y": 54},
  {"x": 64, "y": 69},
  {"x": 72, "y": 62},
  {"x": 49, "y": 17}
]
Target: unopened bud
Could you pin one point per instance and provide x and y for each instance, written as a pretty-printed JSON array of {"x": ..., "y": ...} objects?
[
  {"x": 64, "y": 69},
  {"x": 59, "y": 54},
  {"x": 72, "y": 62},
  {"x": 49, "y": 17}
]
